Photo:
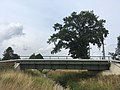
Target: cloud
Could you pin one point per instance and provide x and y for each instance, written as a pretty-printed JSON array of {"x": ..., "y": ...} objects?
[{"x": 10, "y": 30}]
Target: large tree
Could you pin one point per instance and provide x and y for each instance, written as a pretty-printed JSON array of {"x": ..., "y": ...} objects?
[
  {"x": 77, "y": 32},
  {"x": 9, "y": 54}
]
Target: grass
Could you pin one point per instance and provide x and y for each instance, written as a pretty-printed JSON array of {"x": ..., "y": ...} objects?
[
  {"x": 11, "y": 79},
  {"x": 6, "y": 66},
  {"x": 16, "y": 80},
  {"x": 100, "y": 83},
  {"x": 85, "y": 80},
  {"x": 74, "y": 80}
]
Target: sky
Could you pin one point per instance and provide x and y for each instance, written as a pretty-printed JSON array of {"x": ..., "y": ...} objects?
[{"x": 26, "y": 25}]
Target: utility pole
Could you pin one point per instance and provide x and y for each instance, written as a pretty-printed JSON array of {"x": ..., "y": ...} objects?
[
  {"x": 89, "y": 51},
  {"x": 103, "y": 50}
]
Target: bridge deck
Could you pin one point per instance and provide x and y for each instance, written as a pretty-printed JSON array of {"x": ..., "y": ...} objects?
[{"x": 82, "y": 64}]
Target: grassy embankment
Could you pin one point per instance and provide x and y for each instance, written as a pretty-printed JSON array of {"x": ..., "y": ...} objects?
[
  {"x": 15, "y": 80},
  {"x": 33, "y": 80},
  {"x": 85, "y": 80},
  {"x": 11, "y": 79}
]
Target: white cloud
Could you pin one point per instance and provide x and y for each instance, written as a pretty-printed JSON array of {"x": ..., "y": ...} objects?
[
  {"x": 38, "y": 17},
  {"x": 10, "y": 30},
  {"x": 45, "y": 50}
]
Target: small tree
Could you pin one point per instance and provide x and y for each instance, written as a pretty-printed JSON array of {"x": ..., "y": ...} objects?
[
  {"x": 118, "y": 46},
  {"x": 9, "y": 54},
  {"x": 38, "y": 56},
  {"x": 116, "y": 54},
  {"x": 32, "y": 56}
]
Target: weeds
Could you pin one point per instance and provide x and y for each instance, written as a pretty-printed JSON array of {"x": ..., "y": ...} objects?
[
  {"x": 16, "y": 80},
  {"x": 86, "y": 80}
]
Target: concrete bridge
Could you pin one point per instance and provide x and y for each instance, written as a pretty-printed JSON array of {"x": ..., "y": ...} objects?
[
  {"x": 93, "y": 65},
  {"x": 108, "y": 66},
  {"x": 80, "y": 64}
]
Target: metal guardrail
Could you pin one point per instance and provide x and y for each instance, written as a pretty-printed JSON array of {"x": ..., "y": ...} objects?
[
  {"x": 101, "y": 57},
  {"x": 69, "y": 57}
]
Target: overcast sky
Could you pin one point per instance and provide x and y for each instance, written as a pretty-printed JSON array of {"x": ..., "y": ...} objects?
[{"x": 26, "y": 25}]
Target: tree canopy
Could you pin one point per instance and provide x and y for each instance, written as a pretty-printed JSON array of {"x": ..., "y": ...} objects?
[
  {"x": 118, "y": 46},
  {"x": 116, "y": 54},
  {"x": 77, "y": 32},
  {"x": 38, "y": 56},
  {"x": 9, "y": 54}
]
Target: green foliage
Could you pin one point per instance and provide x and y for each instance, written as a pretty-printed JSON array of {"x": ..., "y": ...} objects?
[
  {"x": 86, "y": 80},
  {"x": 6, "y": 66},
  {"x": 9, "y": 54},
  {"x": 74, "y": 85},
  {"x": 118, "y": 46},
  {"x": 32, "y": 56},
  {"x": 65, "y": 78},
  {"x": 38, "y": 56},
  {"x": 77, "y": 32},
  {"x": 119, "y": 41},
  {"x": 116, "y": 54}
]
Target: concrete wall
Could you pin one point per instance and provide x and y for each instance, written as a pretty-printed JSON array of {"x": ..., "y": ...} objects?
[{"x": 114, "y": 69}]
